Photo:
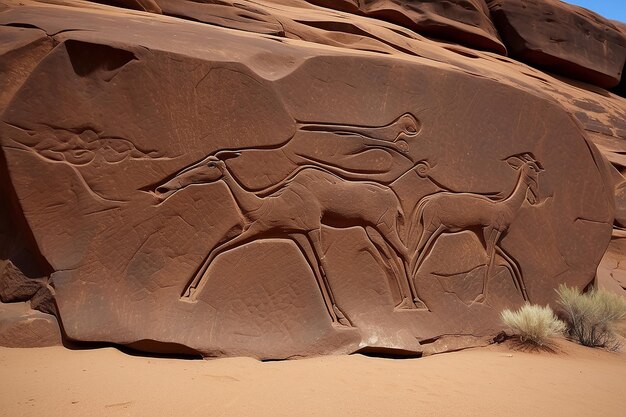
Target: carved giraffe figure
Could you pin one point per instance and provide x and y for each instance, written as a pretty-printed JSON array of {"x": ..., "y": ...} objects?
[
  {"x": 312, "y": 197},
  {"x": 449, "y": 212}
]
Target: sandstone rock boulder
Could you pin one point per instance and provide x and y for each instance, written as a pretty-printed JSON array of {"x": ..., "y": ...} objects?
[
  {"x": 22, "y": 327},
  {"x": 620, "y": 205},
  {"x": 466, "y": 22},
  {"x": 277, "y": 198},
  {"x": 143, "y": 5},
  {"x": 612, "y": 271},
  {"x": 562, "y": 38}
]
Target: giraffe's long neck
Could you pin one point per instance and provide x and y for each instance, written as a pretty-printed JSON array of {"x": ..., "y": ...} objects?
[
  {"x": 514, "y": 201},
  {"x": 246, "y": 200}
]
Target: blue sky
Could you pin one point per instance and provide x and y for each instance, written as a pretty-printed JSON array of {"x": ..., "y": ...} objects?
[{"x": 611, "y": 9}]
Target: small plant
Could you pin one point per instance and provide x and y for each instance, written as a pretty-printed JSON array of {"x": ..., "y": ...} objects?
[
  {"x": 592, "y": 317},
  {"x": 533, "y": 324}
]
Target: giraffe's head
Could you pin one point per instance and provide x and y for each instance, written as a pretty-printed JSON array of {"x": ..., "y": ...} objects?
[
  {"x": 529, "y": 169},
  {"x": 210, "y": 169},
  {"x": 408, "y": 127}
]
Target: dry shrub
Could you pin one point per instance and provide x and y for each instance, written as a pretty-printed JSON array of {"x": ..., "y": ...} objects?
[
  {"x": 533, "y": 324},
  {"x": 593, "y": 317}
]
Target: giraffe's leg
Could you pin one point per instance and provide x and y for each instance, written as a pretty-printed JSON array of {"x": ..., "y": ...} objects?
[
  {"x": 315, "y": 239},
  {"x": 424, "y": 247},
  {"x": 398, "y": 273},
  {"x": 198, "y": 281},
  {"x": 491, "y": 239},
  {"x": 413, "y": 234},
  {"x": 392, "y": 239},
  {"x": 518, "y": 280},
  {"x": 305, "y": 246}
]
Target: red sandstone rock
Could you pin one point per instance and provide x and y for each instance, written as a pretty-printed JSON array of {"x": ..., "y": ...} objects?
[
  {"x": 266, "y": 196},
  {"x": 562, "y": 38},
  {"x": 466, "y": 22},
  {"x": 22, "y": 327},
  {"x": 612, "y": 271},
  {"x": 241, "y": 15},
  {"x": 143, "y": 5},
  {"x": 620, "y": 204}
]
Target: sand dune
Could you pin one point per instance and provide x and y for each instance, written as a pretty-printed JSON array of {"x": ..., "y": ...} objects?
[{"x": 493, "y": 381}]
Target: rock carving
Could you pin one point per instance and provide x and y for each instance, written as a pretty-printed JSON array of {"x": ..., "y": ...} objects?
[
  {"x": 374, "y": 163},
  {"x": 449, "y": 212},
  {"x": 312, "y": 197},
  {"x": 394, "y": 135}
]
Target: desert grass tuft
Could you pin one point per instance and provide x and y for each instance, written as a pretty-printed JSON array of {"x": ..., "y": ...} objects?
[
  {"x": 593, "y": 318},
  {"x": 533, "y": 324}
]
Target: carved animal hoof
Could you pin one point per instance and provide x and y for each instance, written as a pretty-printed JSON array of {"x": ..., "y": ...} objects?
[
  {"x": 188, "y": 295},
  {"x": 420, "y": 305},
  {"x": 341, "y": 318},
  {"x": 479, "y": 299},
  {"x": 406, "y": 304}
]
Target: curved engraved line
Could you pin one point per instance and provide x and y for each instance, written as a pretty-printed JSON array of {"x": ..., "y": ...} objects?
[
  {"x": 388, "y": 145},
  {"x": 330, "y": 166},
  {"x": 311, "y": 125},
  {"x": 327, "y": 127},
  {"x": 198, "y": 283},
  {"x": 153, "y": 186},
  {"x": 385, "y": 148},
  {"x": 516, "y": 272},
  {"x": 300, "y": 126},
  {"x": 443, "y": 275},
  {"x": 79, "y": 176},
  {"x": 597, "y": 222},
  {"x": 440, "y": 276},
  {"x": 88, "y": 128},
  {"x": 385, "y": 135},
  {"x": 199, "y": 280},
  {"x": 77, "y": 131},
  {"x": 275, "y": 188},
  {"x": 511, "y": 265}
]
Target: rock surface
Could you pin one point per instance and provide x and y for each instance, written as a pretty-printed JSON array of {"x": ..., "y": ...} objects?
[
  {"x": 612, "y": 268},
  {"x": 316, "y": 181},
  {"x": 461, "y": 21},
  {"x": 562, "y": 38},
  {"x": 20, "y": 326}
]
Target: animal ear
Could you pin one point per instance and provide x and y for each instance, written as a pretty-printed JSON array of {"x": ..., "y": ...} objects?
[
  {"x": 515, "y": 162},
  {"x": 223, "y": 155}
]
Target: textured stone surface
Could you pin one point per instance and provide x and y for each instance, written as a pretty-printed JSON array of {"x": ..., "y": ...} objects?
[
  {"x": 466, "y": 22},
  {"x": 612, "y": 268},
  {"x": 620, "y": 204},
  {"x": 21, "y": 326},
  {"x": 143, "y": 5},
  {"x": 313, "y": 182},
  {"x": 562, "y": 38}
]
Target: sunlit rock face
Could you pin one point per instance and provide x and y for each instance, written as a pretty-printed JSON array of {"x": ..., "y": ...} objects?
[
  {"x": 562, "y": 38},
  {"x": 281, "y": 179}
]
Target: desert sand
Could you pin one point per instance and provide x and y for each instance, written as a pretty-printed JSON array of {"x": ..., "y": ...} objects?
[{"x": 491, "y": 381}]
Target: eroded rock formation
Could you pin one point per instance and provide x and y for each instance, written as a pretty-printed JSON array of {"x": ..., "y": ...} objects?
[
  {"x": 278, "y": 179},
  {"x": 553, "y": 35}
]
